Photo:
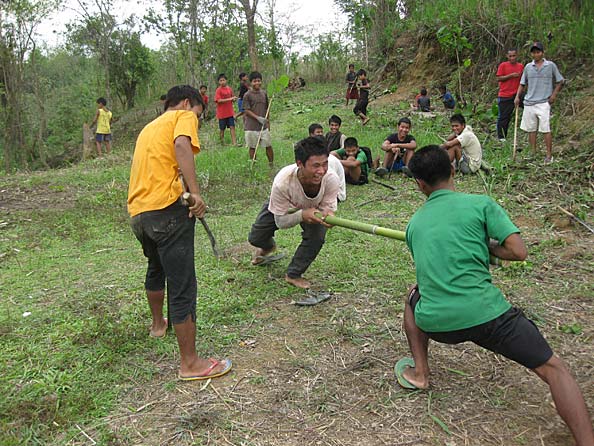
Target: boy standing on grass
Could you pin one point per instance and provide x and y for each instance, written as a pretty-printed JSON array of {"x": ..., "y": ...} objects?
[
  {"x": 354, "y": 162},
  {"x": 334, "y": 165},
  {"x": 351, "y": 81},
  {"x": 455, "y": 300},
  {"x": 165, "y": 227},
  {"x": 463, "y": 146},
  {"x": 538, "y": 79},
  {"x": 508, "y": 75},
  {"x": 309, "y": 187},
  {"x": 103, "y": 119},
  {"x": 334, "y": 138},
  {"x": 224, "y": 99},
  {"x": 244, "y": 86},
  {"x": 399, "y": 146},
  {"x": 360, "y": 109},
  {"x": 204, "y": 96},
  {"x": 256, "y": 121}
]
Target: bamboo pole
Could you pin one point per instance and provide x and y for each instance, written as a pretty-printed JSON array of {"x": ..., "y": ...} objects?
[{"x": 363, "y": 227}]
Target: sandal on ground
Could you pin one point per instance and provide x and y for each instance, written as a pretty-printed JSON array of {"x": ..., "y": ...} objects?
[
  {"x": 267, "y": 259},
  {"x": 228, "y": 365},
  {"x": 399, "y": 368}
]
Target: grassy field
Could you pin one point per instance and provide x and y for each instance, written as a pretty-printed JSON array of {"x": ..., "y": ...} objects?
[{"x": 79, "y": 367}]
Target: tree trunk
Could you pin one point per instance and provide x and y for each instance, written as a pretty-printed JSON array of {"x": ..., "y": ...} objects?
[{"x": 250, "y": 15}]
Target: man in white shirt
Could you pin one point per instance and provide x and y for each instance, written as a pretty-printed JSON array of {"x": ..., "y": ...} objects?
[
  {"x": 298, "y": 192},
  {"x": 463, "y": 146},
  {"x": 334, "y": 164}
]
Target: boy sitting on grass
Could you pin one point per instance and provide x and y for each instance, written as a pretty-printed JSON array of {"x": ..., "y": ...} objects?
[
  {"x": 354, "y": 162},
  {"x": 399, "y": 148},
  {"x": 334, "y": 138},
  {"x": 423, "y": 102},
  {"x": 463, "y": 146}
]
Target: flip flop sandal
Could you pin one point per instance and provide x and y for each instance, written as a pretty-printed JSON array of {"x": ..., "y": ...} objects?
[
  {"x": 213, "y": 363},
  {"x": 267, "y": 260},
  {"x": 399, "y": 370},
  {"x": 314, "y": 298}
]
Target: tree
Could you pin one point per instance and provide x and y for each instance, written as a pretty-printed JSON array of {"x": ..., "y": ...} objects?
[
  {"x": 250, "y": 16},
  {"x": 131, "y": 63}
]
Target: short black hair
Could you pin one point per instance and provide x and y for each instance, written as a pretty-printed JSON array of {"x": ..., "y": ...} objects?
[
  {"x": 312, "y": 128},
  {"x": 203, "y": 86},
  {"x": 361, "y": 72},
  {"x": 458, "y": 118},
  {"x": 241, "y": 75},
  {"x": 351, "y": 142},
  {"x": 431, "y": 164},
  {"x": 423, "y": 91},
  {"x": 351, "y": 65},
  {"x": 310, "y": 146},
  {"x": 102, "y": 101},
  {"x": 335, "y": 119},
  {"x": 512, "y": 49},
  {"x": 405, "y": 121},
  {"x": 163, "y": 97},
  {"x": 443, "y": 87},
  {"x": 255, "y": 75},
  {"x": 180, "y": 92},
  {"x": 221, "y": 76}
]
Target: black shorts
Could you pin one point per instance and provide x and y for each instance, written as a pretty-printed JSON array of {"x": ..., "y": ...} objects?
[
  {"x": 360, "y": 107},
  {"x": 362, "y": 179},
  {"x": 512, "y": 335},
  {"x": 167, "y": 239}
]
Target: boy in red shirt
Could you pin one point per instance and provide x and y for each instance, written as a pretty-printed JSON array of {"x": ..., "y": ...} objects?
[
  {"x": 508, "y": 76},
  {"x": 205, "y": 100},
  {"x": 224, "y": 99}
]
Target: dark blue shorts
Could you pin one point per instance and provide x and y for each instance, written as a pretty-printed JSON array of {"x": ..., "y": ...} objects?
[
  {"x": 240, "y": 105},
  {"x": 512, "y": 335},
  {"x": 167, "y": 239},
  {"x": 227, "y": 122},
  {"x": 101, "y": 137}
]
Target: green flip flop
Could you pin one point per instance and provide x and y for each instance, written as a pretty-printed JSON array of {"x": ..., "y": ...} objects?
[{"x": 399, "y": 370}]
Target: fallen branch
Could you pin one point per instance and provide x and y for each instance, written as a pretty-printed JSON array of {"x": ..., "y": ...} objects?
[
  {"x": 579, "y": 220},
  {"x": 383, "y": 184}
]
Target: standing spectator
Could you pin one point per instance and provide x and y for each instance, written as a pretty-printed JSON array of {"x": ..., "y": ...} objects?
[
  {"x": 224, "y": 99},
  {"x": 351, "y": 80},
  {"x": 360, "y": 109},
  {"x": 538, "y": 79},
  {"x": 103, "y": 119},
  {"x": 203, "y": 89},
  {"x": 256, "y": 120},
  {"x": 508, "y": 76},
  {"x": 244, "y": 86}
]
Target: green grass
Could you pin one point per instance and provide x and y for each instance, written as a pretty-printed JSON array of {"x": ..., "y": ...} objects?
[{"x": 72, "y": 262}]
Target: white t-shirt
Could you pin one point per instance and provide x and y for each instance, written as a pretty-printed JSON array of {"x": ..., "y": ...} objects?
[
  {"x": 471, "y": 148},
  {"x": 287, "y": 192},
  {"x": 334, "y": 165}
]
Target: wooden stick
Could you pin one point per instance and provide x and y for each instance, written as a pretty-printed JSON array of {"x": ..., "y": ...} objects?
[
  {"x": 383, "y": 184},
  {"x": 579, "y": 220},
  {"x": 213, "y": 243},
  {"x": 260, "y": 135},
  {"x": 515, "y": 135}
]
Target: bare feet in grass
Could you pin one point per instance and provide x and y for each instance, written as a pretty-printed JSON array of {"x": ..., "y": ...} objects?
[
  {"x": 158, "y": 330},
  {"x": 299, "y": 282}
]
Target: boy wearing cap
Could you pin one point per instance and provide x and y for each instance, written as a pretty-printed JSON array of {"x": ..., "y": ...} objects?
[{"x": 537, "y": 79}]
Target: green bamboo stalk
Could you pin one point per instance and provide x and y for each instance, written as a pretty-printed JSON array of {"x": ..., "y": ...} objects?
[{"x": 363, "y": 227}]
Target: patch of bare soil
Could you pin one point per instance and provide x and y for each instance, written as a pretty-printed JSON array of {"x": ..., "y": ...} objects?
[
  {"x": 26, "y": 198},
  {"x": 324, "y": 376}
]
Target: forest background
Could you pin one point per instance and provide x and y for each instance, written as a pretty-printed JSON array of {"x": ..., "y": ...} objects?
[{"x": 46, "y": 93}]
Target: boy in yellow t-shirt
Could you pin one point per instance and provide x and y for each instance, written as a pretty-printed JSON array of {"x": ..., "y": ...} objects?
[
  {"x": 103, "y": 120},
  {"x": 165, "y": 227}
]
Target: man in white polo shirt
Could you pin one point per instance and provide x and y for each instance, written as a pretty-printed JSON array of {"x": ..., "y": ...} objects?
[{"x": 538, "y": 79}]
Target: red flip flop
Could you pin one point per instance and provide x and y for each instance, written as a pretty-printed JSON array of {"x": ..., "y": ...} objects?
[{"x": 208, "y": 375}]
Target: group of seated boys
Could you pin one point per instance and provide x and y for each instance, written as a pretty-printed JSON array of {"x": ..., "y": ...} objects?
[{"x": 353, "y": 163}]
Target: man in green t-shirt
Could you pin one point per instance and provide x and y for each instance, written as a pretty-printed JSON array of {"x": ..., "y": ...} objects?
[
  {"x": 454, "y": 300},
  {"x": 354, "y": 162}
]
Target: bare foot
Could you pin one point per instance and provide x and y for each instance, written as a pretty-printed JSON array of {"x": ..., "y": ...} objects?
[
  {"x": 411, "y": 375},
  {"x": 365, "y": 121},
  {"x": 158, "y": 330},
  {"x": 260, "y": 253},
  {"x": 299, "y": 282},
  {"x": 204, "y": 368}
]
